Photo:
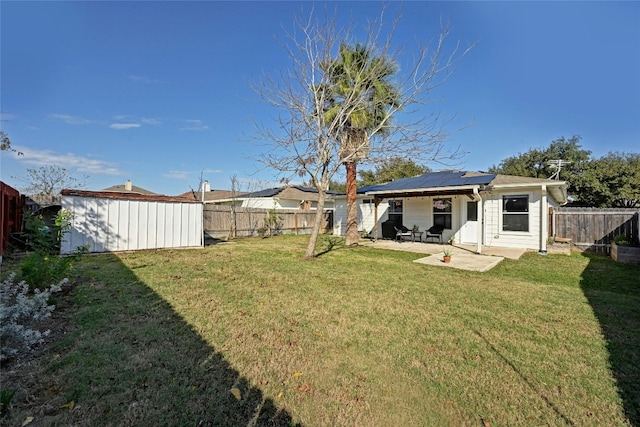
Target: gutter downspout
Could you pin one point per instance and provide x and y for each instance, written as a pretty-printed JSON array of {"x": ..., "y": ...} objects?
[
  {"x": 480, "y": 220},
  {"x": 544, "y": 220}
]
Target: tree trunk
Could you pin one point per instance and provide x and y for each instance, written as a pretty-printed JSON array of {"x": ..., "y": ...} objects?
[
  {"x": 315, "y": 231},
  {"x": 352, "y": 236}
]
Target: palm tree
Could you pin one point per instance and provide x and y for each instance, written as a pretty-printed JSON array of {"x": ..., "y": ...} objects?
[{"x": 361, "y": 103}]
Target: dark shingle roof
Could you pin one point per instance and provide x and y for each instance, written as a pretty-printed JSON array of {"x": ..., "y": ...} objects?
[
  {"x": 433, "y": 180},
  {"x": 271, "y": 192}
]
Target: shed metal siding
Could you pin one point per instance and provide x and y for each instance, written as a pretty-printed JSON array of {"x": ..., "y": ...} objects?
[{"x": 105, "y": 225}]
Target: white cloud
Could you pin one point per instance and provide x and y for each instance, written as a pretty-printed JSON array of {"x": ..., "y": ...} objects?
[
  {"x": 143, "y": 79},
  {"x": 120, "y": 126},
  {"x": 5, "y": 117},
  {"x": 184, "y": 175},
  {"x": 71, "y": 120},
  {"x": 68, "y": 160},
  {"x": 194, "y": 125},
  {"x": 212, "y": 171},
  {"x": 151, "y": 121}
]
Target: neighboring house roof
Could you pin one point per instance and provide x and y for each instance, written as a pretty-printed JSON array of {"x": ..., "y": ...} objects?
[
  {"x": 128, "y": 188},
  {"x": 289, "y": 192},
  {"x": 124, "y": 195},
  {"x": 211, "y": 195},
  {"x": 460, "y": 182}
]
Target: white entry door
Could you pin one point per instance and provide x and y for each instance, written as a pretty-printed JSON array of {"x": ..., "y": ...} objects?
[{"x": 469, "y": 229}]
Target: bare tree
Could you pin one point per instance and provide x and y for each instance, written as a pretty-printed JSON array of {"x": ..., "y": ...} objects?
[
  {"x": 49, "y": 180},
  {"x": 307, "y": 141},
  {"x": 5, "y": 144}
]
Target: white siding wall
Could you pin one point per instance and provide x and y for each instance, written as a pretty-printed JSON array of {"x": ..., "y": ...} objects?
[
  {"x": 366, "y": 213},
  {"x": 262, "y": 203},
  {"x": 119, "y": 225},
  {"x": 340, "y": 217},
  {"x": 495, "y": 236}
]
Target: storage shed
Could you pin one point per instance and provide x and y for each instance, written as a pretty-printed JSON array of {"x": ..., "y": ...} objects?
[{"x": 107, "y": 221}]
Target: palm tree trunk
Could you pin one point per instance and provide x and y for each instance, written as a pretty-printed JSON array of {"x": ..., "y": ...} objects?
[{"x": 352, "y": 235}]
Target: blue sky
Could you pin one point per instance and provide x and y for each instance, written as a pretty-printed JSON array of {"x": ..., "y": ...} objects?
[{"x": 159, "y": 92}]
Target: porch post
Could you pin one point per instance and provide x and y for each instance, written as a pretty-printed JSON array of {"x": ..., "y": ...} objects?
[
  {"x": 376, "y": 202},
  {"x": 544, "y": 223},
  {"x": 480, "y": 219}
]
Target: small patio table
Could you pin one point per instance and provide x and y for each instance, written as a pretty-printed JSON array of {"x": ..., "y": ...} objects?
[{"x": 416, "y": 233}]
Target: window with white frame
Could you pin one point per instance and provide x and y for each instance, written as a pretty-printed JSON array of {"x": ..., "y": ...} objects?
[
  {"x": 515, "y": 213},
  {"x": 442, "y": 213},
  {"x": 395, "y": 211}
]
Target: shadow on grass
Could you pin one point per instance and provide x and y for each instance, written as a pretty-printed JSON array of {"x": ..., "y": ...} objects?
[
  {"x": 329, "y": 243},
  {"x": 613, "y": 291},
  {"x": 132, "y": 360}
]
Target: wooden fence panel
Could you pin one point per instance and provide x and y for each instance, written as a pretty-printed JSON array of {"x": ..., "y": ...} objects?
[
  {"x": 593, "y": 229},
  {"x": 220, "y": 221}
]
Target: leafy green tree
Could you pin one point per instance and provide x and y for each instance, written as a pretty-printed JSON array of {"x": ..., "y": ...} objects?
[
  {"x": 358, "y": 73},
  {"x": 537, "y": 162},
  {"x": 391, "y": 169},
  {"x": 610, "y": 181}
]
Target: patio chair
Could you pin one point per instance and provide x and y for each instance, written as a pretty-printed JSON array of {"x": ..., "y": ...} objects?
[
  {"x": 402, "y": 231},
  {"x": 434, "y": 232}
]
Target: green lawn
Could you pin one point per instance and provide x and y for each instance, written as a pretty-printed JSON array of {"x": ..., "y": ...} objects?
[{"x": 250, "y": 333}]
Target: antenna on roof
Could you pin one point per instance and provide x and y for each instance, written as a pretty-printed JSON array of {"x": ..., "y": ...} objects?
[{"x": 557, "y": 164}]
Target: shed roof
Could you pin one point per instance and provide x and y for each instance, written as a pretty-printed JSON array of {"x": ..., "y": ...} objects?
[{"x": 125, "y": 196}]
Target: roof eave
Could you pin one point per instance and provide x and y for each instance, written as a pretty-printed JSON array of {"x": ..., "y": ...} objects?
[{"x": 453, "y": 188}]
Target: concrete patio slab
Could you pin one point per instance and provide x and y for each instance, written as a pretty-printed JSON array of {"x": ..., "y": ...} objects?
[
  {"x": 464, "y": 257},
  {"x": 463, "y": 261}
]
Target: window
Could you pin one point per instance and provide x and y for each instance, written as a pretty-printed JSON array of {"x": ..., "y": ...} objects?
[
  {"x": 515, "y": 213},
  {"x": 395, "y": 211},
  {"x": 472, "y": 211},
  {"x": 442, "y": 213}
]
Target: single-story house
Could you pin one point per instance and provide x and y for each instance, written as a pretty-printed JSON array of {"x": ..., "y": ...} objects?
[
  {"x": 286, "y": 197},
  {"x": 477, "y": 208}
]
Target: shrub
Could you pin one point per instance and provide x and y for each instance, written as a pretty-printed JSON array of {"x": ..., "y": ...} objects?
[
  {"x": 272, "y": 224},
  {"x": 41, "y": 270},
  {"x": 44, "y": 266},
  {"x": 621, "y": 240},
  {"x": 20, "y": 310}
]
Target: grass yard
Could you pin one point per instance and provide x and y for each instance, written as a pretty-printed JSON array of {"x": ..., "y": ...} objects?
[{"x": 249, "y": 333}]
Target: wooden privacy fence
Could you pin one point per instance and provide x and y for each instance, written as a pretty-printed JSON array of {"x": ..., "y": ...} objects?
[
  {"x": 593, "y": 229},
  {"x": 219, "y": 221}
]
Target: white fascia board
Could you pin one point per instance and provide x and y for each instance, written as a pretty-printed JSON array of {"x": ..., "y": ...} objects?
[
  {"x": 421, "y": 190},
  {"x": 557, "y": 189},
  {"x": 529, "y": 184}
]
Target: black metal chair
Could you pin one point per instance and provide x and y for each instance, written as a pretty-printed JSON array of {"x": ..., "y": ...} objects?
[
  {"x": 434, "y": 232},
  {"x": 403, "y": 231}
]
